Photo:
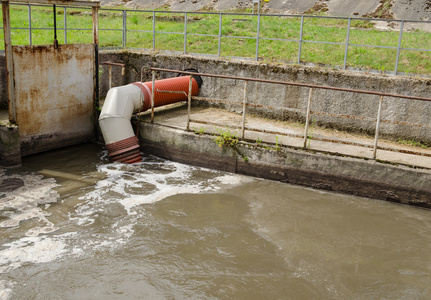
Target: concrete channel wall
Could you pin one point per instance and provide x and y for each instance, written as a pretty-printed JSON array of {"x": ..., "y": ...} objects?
[
  {"x": 395, "y": 114},
  {"x": 353, "y": 176}
]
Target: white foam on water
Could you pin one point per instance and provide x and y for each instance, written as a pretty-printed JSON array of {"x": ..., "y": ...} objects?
[
  {"x": 25, "y": 202},
  {"x": 131, "y": 186},
  {"x": 5, "y": 289},
  {"x": 31, "y": 250},
  {"x": 138, "y": 184}
]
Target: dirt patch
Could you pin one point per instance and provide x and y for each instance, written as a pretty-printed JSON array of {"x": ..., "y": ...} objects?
[
  {"x": 383, "y": 11},
  {"x": 317, "y": 8}
]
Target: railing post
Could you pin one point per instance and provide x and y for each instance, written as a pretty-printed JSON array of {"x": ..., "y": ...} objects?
[
  {"x": 154, "y": 30},
  {"x": 65, "y": 26},
  {"x": 185, "y": 32},
  {"x": 347, "y": 44},
  {"x": 244, "y": 105},
  {"x": 110, "y": 76},
  {"x": 307, "y": 118},
  {"x": 376, "y": 139},
  {"x": 219, "y": 35},
  {"x": 300, "y": 40},
  {"x": 153, "y": 93},
  {"x": 257, "y": 37},
  {"x": 189, "y": 102},
  {"x": 124, "y": 28},
  {"x": 399, "y": 46},
  {"x": 29, "y": 25}
]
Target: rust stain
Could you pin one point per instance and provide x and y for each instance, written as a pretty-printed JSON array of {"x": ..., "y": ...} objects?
[{"x": 54, "y": 90}]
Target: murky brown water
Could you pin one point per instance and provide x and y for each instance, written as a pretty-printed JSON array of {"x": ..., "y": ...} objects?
[{"x": 162, "y": 230}]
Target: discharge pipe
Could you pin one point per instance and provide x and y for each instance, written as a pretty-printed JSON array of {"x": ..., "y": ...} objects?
[{"x": 121, "y": 102}]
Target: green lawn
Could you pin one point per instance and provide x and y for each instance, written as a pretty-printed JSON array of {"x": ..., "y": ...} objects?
[{"x": 235, "y": 27}]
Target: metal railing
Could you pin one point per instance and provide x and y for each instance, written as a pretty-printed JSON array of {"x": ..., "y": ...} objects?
[
  {"x": 305, "y": 110},
  {"x": 301, "y": 39}
]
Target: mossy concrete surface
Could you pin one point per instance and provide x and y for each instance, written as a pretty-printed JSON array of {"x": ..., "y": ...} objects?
[{"x": 354, "y": 176}]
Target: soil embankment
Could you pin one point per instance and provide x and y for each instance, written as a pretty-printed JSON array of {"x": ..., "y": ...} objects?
[{"x": 386, "y": 9}]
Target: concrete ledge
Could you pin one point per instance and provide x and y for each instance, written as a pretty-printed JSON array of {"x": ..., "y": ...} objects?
[
  {"x": 360, "y": 177},
  {"x": 10, "y": 151}
]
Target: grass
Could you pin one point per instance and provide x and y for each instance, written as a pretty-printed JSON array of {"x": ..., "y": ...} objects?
[{"x": 235, "y": 27}]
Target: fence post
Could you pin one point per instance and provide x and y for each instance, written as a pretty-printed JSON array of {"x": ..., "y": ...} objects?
[
  {"x": 300, "y": 40},
  {"x": 399, "y": 46},
  {"x": 219, "y": 35},
  {"x": 244, "y": 105},
  {"x": 29, "y": 25},
  {"x": 347, "y": 44},
  {"x": 379, "y": 115},
  {"x": 257, "y": 37},
  {"x": 154, "y": 30},
  {"x": 110, "y": 76},
  {"x": 307, "y": 118},
  {"x": 124, "y": 28},
  {"x": 189, "y": 102},
  {"x": 185, "y": 32},
  {"x": 153, "y": 93},
  {"x": 65, "y": 26}
]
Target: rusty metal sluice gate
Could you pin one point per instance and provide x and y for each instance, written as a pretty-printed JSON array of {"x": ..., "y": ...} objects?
[
  {"x": 307, "y": 111},
  {"x": 53, "y": 98}
]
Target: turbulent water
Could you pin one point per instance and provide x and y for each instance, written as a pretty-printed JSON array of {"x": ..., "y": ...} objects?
[{"x": 75, "y": 226}]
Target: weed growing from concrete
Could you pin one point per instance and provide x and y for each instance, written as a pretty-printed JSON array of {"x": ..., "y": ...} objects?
[
  {"x": 199, "y": 131},
  {"x": 227, "y": 139}
]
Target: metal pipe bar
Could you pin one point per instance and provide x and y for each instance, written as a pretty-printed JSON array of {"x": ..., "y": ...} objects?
[
  {"x": 347, "y": 44},
  {"x": 244, "y": 105},
  {"x": 275, "y": 39},
  {"x": 185, "y": 33},
  {"x": 296, "y": 110},
  {"x": 202, "y": 34},
  {"x": 322, "y": 42},
  {"x": 335, "y": 141},
  {"x": 29, "y": 25},
  {"x": 55, "y": 28},
  {"x": 154, "y": 30},
  {"x": 257, "y": 35},
  {"x": 373, "y": 46},
  {"x": 65, "y": 25},
  {"x": 379, "y": 114},
  {"x": 300, "y": 40},
  {"x": 189, "y": 102},
  {"x": 110, "y": 76},
  {"x": 153, "y": 92},
  {"x": 294, "y": 84},
  {"x": 167, "y": 32},
  {"x": 399, "y": 47},
  {"x": 219, "y": 34},
  {"x": 307, "y": 118},
  {"x": 124, "y": 29},
  {"x": 133, "y": 30}
]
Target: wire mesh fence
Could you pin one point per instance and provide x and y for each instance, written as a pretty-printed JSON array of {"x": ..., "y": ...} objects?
[{"x": 371, "y": 45}]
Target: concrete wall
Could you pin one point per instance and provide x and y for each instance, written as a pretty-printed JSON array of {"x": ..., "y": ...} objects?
[
  {"x": 333, "y": 173},
  {"x": 334, "y": 102},
  {"x": 10, "y": 153}
]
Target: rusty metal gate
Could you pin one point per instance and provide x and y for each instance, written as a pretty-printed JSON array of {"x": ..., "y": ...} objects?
[{"x": 52, "y": 89}]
